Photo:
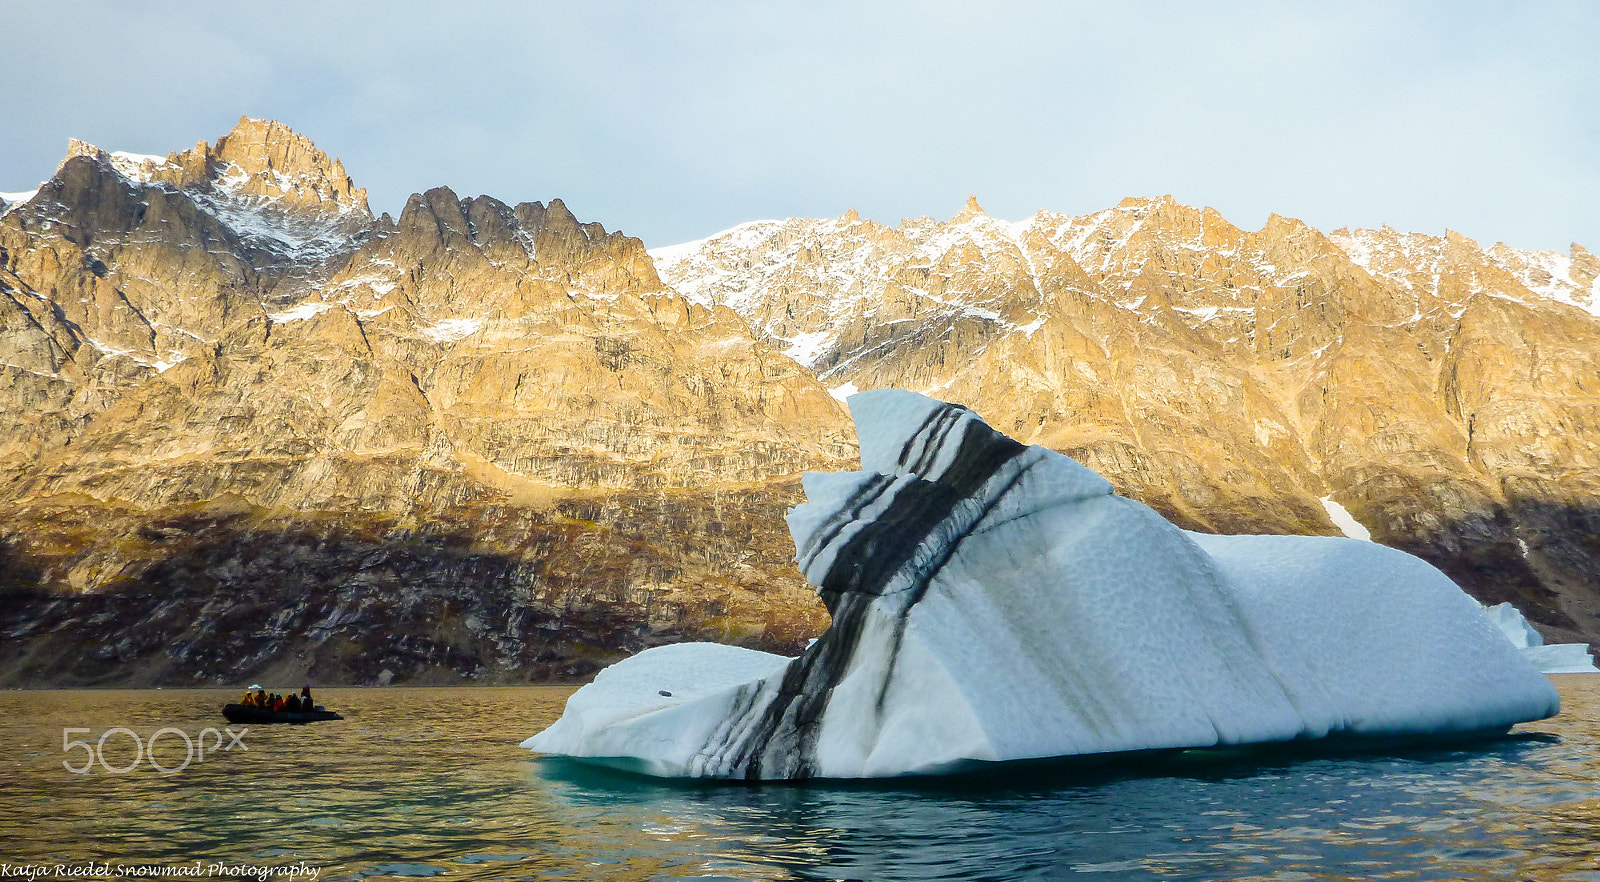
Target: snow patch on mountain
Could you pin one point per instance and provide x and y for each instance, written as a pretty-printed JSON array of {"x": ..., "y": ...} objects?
[
  {"x": 1416, "y": 262},
  {"x": 1403, "y": 259},
  {"x": 925, "y": 272},
  {"x": 806, "y": 349},
  {"x": 453, "y": 330},
  {"x": 301, "y": 312},
  {"x": 137, "y": 167},
  {"x": 1345, "y": 521},
  {"x": 711, "y": 271},
  {"x": 301, "y": 235},
  {"x": 1551, "y": 275},
  {"x": 161, "y": 364},
  {"x": 9, "y": 201}
]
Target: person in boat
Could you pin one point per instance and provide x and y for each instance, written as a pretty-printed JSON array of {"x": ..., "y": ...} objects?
[
  {"x": 305, "y": 698},
  {"x": 261, "y": 697},
  {"x": 292, "y": 703}
]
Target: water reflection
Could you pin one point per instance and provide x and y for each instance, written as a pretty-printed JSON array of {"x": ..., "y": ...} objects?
[
  {"x": 429, "y": 782},
  {"x": 1195, "y": 817}
]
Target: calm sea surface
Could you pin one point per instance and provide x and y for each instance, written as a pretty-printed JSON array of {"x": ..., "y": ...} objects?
[{"x": 430, "y": 782}]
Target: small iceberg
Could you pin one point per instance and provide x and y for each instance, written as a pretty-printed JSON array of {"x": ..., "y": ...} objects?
[
  {"x": 994, "y": 601},
  {"x": 1553, "y": 658}
]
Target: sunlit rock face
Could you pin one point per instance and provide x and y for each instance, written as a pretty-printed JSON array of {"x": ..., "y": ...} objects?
[
  {"x": 1443, "y": 393},
  {"x": 996, "y": 601},
  {"x": 238, "y": 403},
  {"x": 253, "y": 428}
]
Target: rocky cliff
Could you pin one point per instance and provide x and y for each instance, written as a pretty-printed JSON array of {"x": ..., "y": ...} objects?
[
  {"x": 255, "y": 432},
  {"x": 1446, "y": 395},
  {"x": 258, "y": 432}
]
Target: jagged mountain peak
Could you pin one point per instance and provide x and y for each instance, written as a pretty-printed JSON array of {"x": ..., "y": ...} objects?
[
  {"x": 83, "y": 148},
  {"x": 136, "y": 167},
  {"x": 170, "y": 250},
  {"x": 270, "y": 160},
  {"x": 1140, "y": 204},
  {"x": 1282, "y": 223},
  {"x": 969, "y": 211},
  {"x": 263, "y": 163},
  {"x": 558, "y": 209},
  {"x": 1420, "y": 261},
  {"x": 292, "y": 211},
  {"x": 824, "y": 291}
]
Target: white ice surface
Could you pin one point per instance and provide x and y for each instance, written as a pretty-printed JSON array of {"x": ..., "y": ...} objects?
[
  {"x": 1374, "y": 640},
  {"x": 623, "y": 719},
  {"x": 1562, "y": 658},
  {"x": 1514, "y": 625},
  {"x": 1556, "y": 658},
  {"x": 1058, "y": 619}
]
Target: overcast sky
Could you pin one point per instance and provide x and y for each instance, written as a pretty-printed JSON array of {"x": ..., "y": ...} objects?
[{"x": 673, "y": 120}]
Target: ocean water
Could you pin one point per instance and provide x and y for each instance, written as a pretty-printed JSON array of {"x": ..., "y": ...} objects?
[{"x": 430, "y": 782}]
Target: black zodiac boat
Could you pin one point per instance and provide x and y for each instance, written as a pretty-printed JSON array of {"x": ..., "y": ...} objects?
[{"x": 243, "y": 713}]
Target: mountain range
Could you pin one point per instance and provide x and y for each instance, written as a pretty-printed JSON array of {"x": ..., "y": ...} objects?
[{"x": 257, "y": 431}]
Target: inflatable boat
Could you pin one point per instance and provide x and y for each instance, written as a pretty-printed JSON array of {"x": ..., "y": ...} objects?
[{"x": 244, "y": 713}]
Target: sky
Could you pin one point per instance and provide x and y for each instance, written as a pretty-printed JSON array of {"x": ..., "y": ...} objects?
[{"x": 672, "y": 121}]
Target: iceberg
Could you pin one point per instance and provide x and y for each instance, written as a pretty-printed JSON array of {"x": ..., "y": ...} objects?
[
  {"x": 993, "y": 601},
  {"x": 1552, "y": 658}
]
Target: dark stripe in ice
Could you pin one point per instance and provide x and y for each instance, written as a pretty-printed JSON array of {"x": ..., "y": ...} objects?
[
  {"x": 933, "y": 431},
  {"x": 828, "y": 531},
  {"x": 782, "y": 742},
  {"x": 946, "y": 551}
]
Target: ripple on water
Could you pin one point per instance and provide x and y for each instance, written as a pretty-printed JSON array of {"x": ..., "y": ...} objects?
[
  {"x": 430, "y": 783},
  {"x": 401, "y": 870}
]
